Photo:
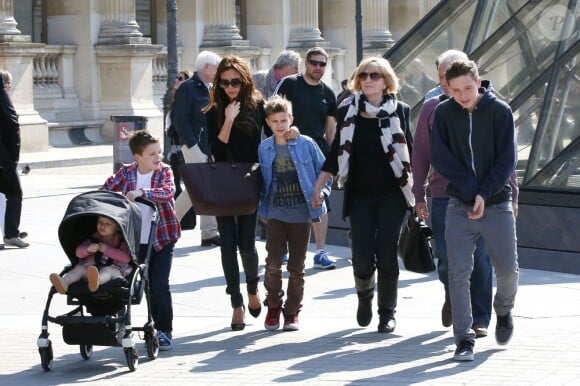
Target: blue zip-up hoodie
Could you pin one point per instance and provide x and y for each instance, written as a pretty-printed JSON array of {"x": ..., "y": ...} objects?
[
  {"x": 308, "y": 160},
  {"x": 475, "y": 151}
]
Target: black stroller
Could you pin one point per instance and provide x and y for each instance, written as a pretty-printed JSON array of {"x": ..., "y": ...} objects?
[{"x": 103, "y": 318}]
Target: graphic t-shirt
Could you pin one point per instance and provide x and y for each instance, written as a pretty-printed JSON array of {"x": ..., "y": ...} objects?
[{"x": 287, "y": 202}]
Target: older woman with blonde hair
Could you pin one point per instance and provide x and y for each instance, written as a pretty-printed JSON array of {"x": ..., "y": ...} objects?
[{"x": 371, "y": 156}]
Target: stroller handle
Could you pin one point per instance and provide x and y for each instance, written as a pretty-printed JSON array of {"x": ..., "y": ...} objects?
[{"x": 147, "y": 202}]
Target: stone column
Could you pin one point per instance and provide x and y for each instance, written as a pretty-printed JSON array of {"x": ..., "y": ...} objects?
[
  {"x": 16, "y": 56},
  {"x": 222, "y": 35},
  {"x": 7, "y": 21},
  {"x": 119, "y": 25},
  {"x": 376, "y": 34},
  {"x": 125, "y": 68},
  {"x": 8, "y": 30},
  {"x": 220, "y": 28},
  {"x": 304, "y": 30}
]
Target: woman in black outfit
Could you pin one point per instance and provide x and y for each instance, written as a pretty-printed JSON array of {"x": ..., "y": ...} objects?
[
  {"x": 235, "y": 117},
  {"x": 370, "y": 154}
]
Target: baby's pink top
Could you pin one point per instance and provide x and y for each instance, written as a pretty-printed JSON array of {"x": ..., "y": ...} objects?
[{"x": 117, "y": 249}]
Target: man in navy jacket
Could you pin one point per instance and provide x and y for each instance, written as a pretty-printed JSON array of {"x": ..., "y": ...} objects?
[{"x": 190, "y": 98}]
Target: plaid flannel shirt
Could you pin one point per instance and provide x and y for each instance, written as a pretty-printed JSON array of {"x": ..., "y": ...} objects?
[{"x": 161, "y": 192}]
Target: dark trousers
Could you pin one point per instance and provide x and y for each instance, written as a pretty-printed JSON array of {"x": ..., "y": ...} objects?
[
  {"x": 375, "y": 227},
  {"x": 160, "y": 300},
  {"x": 10, "y": 186},
  {"x": 291, "y": 238},
  {"x": 238, "y": 232}
]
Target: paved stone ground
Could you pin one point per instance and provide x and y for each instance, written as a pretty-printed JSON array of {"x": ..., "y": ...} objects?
[{"x": 329, "y": 349}]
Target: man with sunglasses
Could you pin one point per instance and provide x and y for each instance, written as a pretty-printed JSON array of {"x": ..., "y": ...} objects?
[
  {"x": 314, "y": 106},
  {"x": 190, "y": 98}
]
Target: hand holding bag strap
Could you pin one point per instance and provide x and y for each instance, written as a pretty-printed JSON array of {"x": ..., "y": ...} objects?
[{"x": 414, "y": 246}]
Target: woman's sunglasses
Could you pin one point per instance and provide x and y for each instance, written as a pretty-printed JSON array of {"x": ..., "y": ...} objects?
[
  {"x": 181, "y": 78},
  {"x": 373, "y": 75},
  {"x": 235, "y": 83}
]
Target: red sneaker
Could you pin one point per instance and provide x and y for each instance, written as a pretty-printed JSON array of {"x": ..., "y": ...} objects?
[
  {"x": 290, "y": 322},
  {"x": 272, "y": 321}
]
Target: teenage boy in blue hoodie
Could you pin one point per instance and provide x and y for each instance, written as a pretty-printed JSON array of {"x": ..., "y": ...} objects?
[{"x": 473, "y": 146}]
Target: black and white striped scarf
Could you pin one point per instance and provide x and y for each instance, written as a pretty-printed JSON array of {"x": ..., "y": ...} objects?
[{"x": 392, "y": 139}]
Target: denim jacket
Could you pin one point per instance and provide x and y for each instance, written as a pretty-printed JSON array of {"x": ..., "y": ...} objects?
[{"x": 307, "y": 158}]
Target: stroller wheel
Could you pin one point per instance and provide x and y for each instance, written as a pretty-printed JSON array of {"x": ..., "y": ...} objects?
[
  {"x": 86, "y": 351},
  {"x": 132, "y": 358},
  {"x": 152, "y": 343},
  {"x": 46, "y": 357}
]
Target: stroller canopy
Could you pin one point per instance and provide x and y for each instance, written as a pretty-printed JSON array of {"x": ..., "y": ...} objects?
[{"x": 80, "y": 220}]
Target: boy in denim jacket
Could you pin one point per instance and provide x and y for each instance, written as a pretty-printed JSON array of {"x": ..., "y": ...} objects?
[{"x": 289, "y": 169}]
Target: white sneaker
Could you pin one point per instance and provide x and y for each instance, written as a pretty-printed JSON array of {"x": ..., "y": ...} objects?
[{"x": 16, "y": 242}]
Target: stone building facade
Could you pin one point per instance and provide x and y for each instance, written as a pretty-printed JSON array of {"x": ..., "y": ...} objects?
[{"x": 77, "y": 63}]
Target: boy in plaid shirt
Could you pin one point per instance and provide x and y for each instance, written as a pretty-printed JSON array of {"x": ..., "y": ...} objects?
[{"x": 148, "y": 177}]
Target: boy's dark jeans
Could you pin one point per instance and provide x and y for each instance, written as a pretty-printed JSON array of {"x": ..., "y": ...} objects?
[
  {"x": 291, "y": 238},
  {"x": 159, "y": 270}
]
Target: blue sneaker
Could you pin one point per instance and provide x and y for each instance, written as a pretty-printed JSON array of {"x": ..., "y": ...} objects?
[
  {"x": 165, "y": 341},
  {"x": 321, "y": 261},
  {"x": 285, "y": 259}
]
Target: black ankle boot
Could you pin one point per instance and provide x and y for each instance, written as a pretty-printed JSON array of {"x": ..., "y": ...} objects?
[
  {"x": 364, "y": 313},
  {"x": 387, "y": 323},
  {"x": 365, "y": 289},
  {"x": 387, "y": 300}
]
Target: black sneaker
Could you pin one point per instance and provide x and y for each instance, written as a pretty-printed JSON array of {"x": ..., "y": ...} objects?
[
  {"x": 464, "y": 351},
  {"x": 504, "y": 329}
]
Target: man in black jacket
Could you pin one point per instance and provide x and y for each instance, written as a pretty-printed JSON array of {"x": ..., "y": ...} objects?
[
  {"x": 9, "y": 156},
  {"x": 190, "y": 98}
]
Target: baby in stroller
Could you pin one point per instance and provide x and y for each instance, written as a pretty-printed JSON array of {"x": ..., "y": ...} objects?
[
  {"x": 102, "y": 317},
  {"x": 102, "y": 257}
]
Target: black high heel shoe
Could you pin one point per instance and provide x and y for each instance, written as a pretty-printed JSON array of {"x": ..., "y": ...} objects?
[
  {"x": 255, "y": 312},
  {"x": 239, "y": 326}
]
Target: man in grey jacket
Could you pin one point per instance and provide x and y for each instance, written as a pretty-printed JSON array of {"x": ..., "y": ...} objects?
[{"x": 286, "y": 64}]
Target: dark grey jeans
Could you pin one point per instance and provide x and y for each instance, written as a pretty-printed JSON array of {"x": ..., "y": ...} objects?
[{"x": 498, "y": 227}]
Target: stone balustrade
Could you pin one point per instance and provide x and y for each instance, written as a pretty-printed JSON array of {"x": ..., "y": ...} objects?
[{"x": 160, "y": 69}]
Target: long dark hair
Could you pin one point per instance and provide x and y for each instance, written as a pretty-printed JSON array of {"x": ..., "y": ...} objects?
[{"x": 249, "y": 97}]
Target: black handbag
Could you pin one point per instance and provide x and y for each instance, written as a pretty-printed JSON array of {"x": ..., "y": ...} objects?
[
  {"x": 415, "y": 246},
  {"x": 225, "y": 188}
]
